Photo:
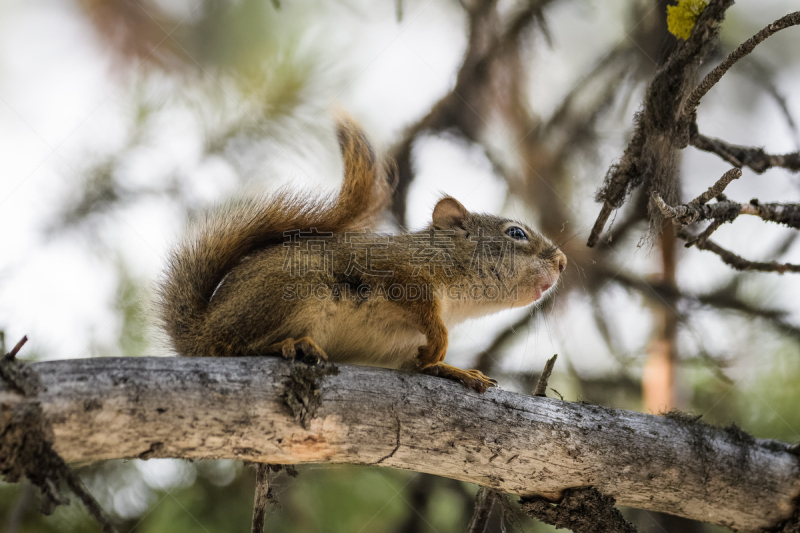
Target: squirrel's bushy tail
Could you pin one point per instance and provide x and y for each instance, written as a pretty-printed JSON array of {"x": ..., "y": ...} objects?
[{"x": 218, "y": 242}]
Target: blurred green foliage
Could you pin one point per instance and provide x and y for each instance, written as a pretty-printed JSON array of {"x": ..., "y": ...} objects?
[{"x": 763, "y": 400}]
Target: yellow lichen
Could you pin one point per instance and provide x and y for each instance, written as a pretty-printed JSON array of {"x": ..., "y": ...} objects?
[{"x": 682, "y": 18}]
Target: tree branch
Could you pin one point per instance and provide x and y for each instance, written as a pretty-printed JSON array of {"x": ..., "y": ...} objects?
[
  {"x": 740, "y": 263},
  {"x": 697, "y": 209},
  {"x": 724, "y": 298},
  {"x": 689, "y": 214},
  {"x": 724, "y": 211},
  {"x": 541, "y": 385},
  {"x": 711, "y": 79},
  {"x": 650, "y": 159},
  {"x": 248, "y": 409},
  {"x": 26, "y": 441},
  {"x": 463, "y": 107},
  {"x": 262, "y": 498},
  {"x": 756, "y": 159}
]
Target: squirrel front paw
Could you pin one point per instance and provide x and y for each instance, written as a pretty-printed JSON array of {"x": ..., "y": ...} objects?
[
  {"x": 472, "y": 379},
  {"x": 304, "y": 350}
]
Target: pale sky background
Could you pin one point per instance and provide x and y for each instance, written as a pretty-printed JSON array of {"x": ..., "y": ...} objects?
[{"x": 64, "y": 100}]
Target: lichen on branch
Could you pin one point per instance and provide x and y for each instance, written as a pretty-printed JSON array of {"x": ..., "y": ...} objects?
[{"x": 682, "y": 18}]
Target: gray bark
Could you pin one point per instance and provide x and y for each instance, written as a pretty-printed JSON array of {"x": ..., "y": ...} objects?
[{"x": 271, "y": 411}]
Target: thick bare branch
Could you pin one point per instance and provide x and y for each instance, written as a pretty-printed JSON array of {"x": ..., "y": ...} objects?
[
  {"x": 238, "y": 408},
  {"x": 26, "y": 441},
  {"x": 744, "y": 49}
]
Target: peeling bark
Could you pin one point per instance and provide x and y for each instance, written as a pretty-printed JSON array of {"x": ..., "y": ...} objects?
[{"x": 239, "y": 408}]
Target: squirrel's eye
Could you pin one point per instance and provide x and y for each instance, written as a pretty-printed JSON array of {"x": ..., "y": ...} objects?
[{"x": 516, "y": 233}]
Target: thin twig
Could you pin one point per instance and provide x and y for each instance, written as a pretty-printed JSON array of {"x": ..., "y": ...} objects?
[
  {"x": 706, "y": 233},
  {"x": 744, "y": 49},
  {"x": 541, "y": 386},
  {"x": 718, "y": 188},
  {"x": 724, "y": 299},
  {"x": 15, "y": 350},
  {"x": 720, "y": 212},
  {"x": 76, "y": 485},
  {"x": 484, "y": 503},
  {"x": 689, "y": 214},
  {"x": 756, "y": 159},
  {"x": 740, "y": 263},
  {"x": 261, "y": 498},
  {"x": 724, "y": 210},
  {"x": 727, "y": 210},
  {"x": 786, "y": 214}
]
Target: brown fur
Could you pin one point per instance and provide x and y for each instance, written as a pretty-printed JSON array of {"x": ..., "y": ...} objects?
[
  {"x": 235, "y": 287},
  {"x": 218, "y": 243}
]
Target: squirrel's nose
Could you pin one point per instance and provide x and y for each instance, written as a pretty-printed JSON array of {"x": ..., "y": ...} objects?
[{"x": 562, "y": 262}]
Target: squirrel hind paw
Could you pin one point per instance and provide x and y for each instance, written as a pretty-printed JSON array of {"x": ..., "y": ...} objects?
[
  {"x": 303, "y": 350},
  {"x": 472, "y": 379}
]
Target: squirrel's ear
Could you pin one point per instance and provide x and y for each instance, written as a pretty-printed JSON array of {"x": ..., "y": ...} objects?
[{"x": 449, "y": 213}]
